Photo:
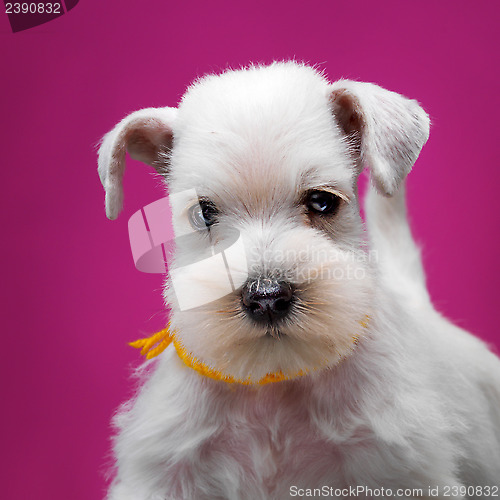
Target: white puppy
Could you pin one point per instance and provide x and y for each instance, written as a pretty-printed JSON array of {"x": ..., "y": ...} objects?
[{"x": 327, "y": 367}]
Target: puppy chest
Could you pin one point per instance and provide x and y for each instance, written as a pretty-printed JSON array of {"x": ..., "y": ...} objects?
[{"x": 274, "y": 454}]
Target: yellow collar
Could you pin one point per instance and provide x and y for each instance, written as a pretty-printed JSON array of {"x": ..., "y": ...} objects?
[{"x": 157, "y": 343}]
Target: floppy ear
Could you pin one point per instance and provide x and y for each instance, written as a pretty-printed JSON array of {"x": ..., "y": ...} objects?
[
  {"x": 144, "y": 134},
  {"x": 387, "y": 130}
]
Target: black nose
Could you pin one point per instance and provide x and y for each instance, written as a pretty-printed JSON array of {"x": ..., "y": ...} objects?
[{"x": 266, "y": 299}]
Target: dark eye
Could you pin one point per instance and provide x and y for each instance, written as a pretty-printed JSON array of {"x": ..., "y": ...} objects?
[
  {"x": 322, "y": 202},
  {"x": 203, "y": 214}
]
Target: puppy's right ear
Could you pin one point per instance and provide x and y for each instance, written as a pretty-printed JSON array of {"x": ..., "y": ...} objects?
[
  {"x": 144, "y": 134},
  {"x": 386, "y": 130}
]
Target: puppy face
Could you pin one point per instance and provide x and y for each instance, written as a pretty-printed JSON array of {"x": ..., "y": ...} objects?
[
  {"x": 273, "y": 154},
  {"x": 267, "y": 159}
]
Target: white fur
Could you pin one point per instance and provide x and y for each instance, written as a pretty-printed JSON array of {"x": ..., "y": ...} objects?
[{"x": 416, "y": 404}]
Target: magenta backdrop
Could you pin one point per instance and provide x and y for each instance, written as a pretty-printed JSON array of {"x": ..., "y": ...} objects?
[{"x": 71, "y": 294}]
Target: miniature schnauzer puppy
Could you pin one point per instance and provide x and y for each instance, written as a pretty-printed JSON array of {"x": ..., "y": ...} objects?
[{"x": 325, "y": 367}]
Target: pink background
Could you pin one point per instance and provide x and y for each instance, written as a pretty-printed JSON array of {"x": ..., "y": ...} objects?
[{"x": 71, "y": 295}]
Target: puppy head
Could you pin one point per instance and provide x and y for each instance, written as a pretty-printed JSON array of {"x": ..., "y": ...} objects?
[{"x": 271, "y": 154}]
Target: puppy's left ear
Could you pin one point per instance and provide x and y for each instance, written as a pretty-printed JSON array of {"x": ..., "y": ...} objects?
[
  {"x": 387, "y": 131},
  {"x": 144, "y": 134}
]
